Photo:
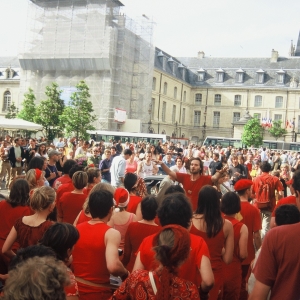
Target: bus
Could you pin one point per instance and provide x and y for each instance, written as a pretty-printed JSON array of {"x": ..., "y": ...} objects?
[
  {"x": 237, "y": 143},
  {"x": 131, "y": 137}
]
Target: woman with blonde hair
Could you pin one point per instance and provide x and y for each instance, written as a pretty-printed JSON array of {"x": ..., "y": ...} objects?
[
  {"x": 35, "y": 178},
  {"x": 29, "y": 230},
  {"x": 84, "y": 214}
]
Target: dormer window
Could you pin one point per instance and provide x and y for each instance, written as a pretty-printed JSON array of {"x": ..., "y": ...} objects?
[
  {"x": 183, "y": 70},
  {"x": 172, "y": 64},
  {"x": 260, "y": 76},
  {"x": 162, "y": 59},
  {"x": 201, "y": 74},
  {"x": 239, "y": 77},
  {"x": 280, "y": 76},
  {"x": 220, "y": 75}
]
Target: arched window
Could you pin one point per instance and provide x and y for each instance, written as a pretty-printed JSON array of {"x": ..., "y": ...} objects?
[
  {"x": 6, "y": 101},
  {"x": 165, "y": 88}
]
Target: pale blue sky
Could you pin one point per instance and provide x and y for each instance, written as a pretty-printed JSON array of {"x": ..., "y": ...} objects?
[{"x": 218, "y": 27}]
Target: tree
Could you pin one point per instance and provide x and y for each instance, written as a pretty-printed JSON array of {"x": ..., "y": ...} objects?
[
  {"x": 12, "y": 112},
  {"x": 276, "y": 130},
  {"x": 48, "y": 111},
  {"x": 77, "y": 117},
  {"x": 253, "y": 133},
  {"x": 28, "y": 111}
]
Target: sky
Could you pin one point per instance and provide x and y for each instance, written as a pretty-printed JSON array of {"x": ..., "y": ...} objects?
[{"x": 220, "y": 28}]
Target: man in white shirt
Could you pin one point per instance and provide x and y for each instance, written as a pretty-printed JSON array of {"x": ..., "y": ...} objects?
[{"x": 117, "y": 169}]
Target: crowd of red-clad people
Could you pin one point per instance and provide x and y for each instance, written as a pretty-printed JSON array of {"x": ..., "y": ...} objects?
[{"x": 94, "y": 230}]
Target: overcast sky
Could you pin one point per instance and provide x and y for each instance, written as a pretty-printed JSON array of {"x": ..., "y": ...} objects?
[{"x": 221, "y": 28}]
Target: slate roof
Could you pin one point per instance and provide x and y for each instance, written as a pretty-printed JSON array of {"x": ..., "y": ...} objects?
[{"x": 12, "y": 62}]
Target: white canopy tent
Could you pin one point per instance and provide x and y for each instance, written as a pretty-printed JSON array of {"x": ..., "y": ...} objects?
[{"x": 18, "y": 124}]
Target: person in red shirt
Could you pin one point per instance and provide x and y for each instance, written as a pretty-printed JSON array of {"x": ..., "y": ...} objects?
[
  {"x": 11, "y": 209},
  {"x": 193, "y": 182},
  {"x": 250, "y": 216},
  {"x": 274, "y": 184},
  {"x": 137, "y": 231},
  {"x": 176, "y": 209},
  {"x": 232, "y": 273},
  {"x": 130, "y": 184},
  {"x": 71, "y": 202},
  {"x": 65, "y": 178},
  {"x": 95, "y": 255},
  {"x": 278, "y": 266}
]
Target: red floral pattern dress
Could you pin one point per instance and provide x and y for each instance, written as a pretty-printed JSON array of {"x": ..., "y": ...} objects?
[{"x": 138, "y": 286}]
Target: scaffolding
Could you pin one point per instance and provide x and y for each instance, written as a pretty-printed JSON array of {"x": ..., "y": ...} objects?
[{"x": 71, "y": 40}]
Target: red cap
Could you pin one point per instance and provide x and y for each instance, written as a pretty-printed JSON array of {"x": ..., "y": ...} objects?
[
  {"x": 122, "y": 197},
  {"x": 242, "y": 184}
]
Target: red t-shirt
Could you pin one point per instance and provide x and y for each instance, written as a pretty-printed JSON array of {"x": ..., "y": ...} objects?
[
  {"x": 134, "y": 236},
  {"x": 62, "y": 180},
  {"x": 8, "y": 217},
  {"x": 82, "y": 218},
  {"x": 67, "y": 187},
  {"x": 133, "y": 203},
  {"x": 89, "y": 260},
  {"x": 276, "y": 185},
  {"x": 287, "y": 200},
  {"x": 252, "y": 219},
  {"x": 192, "y": 188},
  {"x": 189, "y": 270},
  {"x": 278, "y": 264},
  {"x": 69, "y": 206}
]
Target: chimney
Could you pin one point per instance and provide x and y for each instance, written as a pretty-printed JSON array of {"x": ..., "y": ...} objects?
[
  {"x": 274, "y": 56},
  {"x": 201, "y": 54}
]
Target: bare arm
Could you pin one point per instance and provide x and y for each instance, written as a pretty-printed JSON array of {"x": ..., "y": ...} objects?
[
  {"x": 138, "y": 264},
  {"x": 139, "y": 167},
  {"x": 113, "y": 263},
  {"x": 243, "y": 242},
  {"x": 272, "y": 223},
  {"x": 260, "y": 291},
  {"x": 11, "y": 238},
  {"x": 206, "y": 274},
  {"x": 138, "y": 213},
  {"x": 257, "y": 239},
  {"x": 76, "y": 220},
  {"x": 229, "y": 242},
  {"x": 167, "y": 170}
]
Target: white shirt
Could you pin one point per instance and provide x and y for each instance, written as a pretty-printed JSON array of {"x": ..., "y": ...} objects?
[{"x": 117, "y": 170}]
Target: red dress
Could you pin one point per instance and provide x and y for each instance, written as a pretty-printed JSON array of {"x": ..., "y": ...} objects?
[
  {"x": 192, "y": 188},
  {"x": 70, "y": 205},
  {"x": 138, "y": 287},
  {"x": 133, "y": 203},
  {"x": 189, "y": 270},
  {"x": 30, "y": 235},
  {"x": 232, "y": 273},
  {"x": 82, "y": 218},
  {"x": 215, "y": 246},
  {"x": 89, "y": 260},
  {"x": 8, "y": 217},
  {"x": 135, "y": 234}
]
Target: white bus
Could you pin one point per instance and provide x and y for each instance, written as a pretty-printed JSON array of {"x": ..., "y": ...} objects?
[{"x": 131, "y": 137}]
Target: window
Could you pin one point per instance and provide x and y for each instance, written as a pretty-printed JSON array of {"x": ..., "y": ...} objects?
[
  {"x": 184, "y": 96},
  {"x": 239, "y": 76},
  {"x": 183, "y": 116},
  {"x": 220, "y": 75},
  {"x": 164, "y": 63},
  {"x": 260, "y": 75},
  {"x": 258, "y": 101},
  {"x": 279, "y": 102},
  {"x": 237, "y": 100},
  {"x": 280, "y": 78},
  {"x": 217, "y": 99},
  {"x": 197, "y": 115},
  {"x": 163, "y": 113},
  {"x": 165, "y": 88},
  {"x": 6, "y": 101},
  {"x": 174, "y": 114},
  {"x": 216, "y": 120},
  {"x": 236, "y": 116},
  {"x": 277, "y": 117},
  {"x": 257, "y": 116},
  {"x": 152, "y": 108},
  {"x": 175, "y": 92},
  {"x": 154, "y": 84},
  {"x": 198, "y": 98}
]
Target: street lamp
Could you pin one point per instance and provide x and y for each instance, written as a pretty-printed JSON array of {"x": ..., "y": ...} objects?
[{"x": 293, "y": 131}]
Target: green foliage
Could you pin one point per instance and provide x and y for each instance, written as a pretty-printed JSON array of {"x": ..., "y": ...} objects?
[
  {"x": 253, "y": 133},
  {"x": 276, "y": 130},
  {"x": 49, "y": 111},
  {"x": 77, "y": 117},
  {"x": 28, "y": 111},
  {"x": 12, "y": 112}
]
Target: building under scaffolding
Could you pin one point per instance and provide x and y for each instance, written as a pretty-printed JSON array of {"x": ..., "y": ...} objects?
[{"x": 71, "y": 40}]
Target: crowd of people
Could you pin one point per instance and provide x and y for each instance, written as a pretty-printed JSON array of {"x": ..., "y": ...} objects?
[{"x": 81, "y": 223}]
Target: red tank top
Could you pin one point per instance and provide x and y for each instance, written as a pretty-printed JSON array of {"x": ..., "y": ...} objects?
[{"x": 83, "y": 218}]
